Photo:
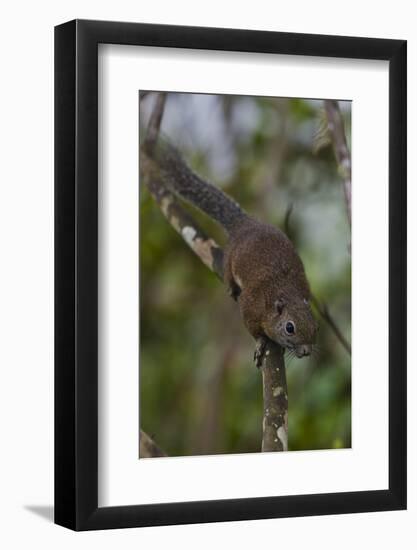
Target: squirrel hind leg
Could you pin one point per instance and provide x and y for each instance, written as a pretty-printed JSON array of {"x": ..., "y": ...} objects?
[{"x": 233, "y": 288}]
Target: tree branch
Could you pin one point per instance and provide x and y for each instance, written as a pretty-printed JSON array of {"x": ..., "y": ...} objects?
[
  {"x": 324, "y": 312},
  {"x": 337, "y": 132},
  {"x": 288, "y": 212},
  {"x": 147, "y": 447},
  {"x": 206, "y": 248},
  {"x": 155, "y": 123},
  {"x": 321, "y": 308},
  {"x": 275, "y": 420}
]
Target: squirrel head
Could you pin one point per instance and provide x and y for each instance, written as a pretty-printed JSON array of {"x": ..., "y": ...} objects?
[{"x": 291, "y": 323}]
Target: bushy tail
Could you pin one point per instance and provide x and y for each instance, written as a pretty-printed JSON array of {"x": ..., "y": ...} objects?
[{"x": 182, "y": 181}]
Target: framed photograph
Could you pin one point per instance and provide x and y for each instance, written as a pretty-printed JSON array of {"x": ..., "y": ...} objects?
[{"x": 230, "y": 284}]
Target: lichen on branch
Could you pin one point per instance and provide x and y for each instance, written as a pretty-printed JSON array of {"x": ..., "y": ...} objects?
[
  {"x": 275, "y": 397},
  {"x": 203, "y": 246}
]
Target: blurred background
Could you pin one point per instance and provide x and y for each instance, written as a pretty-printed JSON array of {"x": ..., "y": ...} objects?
[{"x": 200, "y": 392}]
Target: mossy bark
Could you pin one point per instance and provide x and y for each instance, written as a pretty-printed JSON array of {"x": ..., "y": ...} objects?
[{"x": 275, "y": 396}]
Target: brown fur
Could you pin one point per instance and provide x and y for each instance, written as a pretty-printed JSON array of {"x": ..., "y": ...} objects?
[
  {"x": 266, "y": 275},
  {"x": 261, "y": 267}
]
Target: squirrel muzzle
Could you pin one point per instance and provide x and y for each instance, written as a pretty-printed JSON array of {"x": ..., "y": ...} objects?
[{"x": 303, "y": 350}]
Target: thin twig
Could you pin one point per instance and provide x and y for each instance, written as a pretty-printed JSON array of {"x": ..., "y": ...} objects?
[
  {"x": 321, "y": 308},
  {"x": 154, "y": 124},
  {"x": 275, "y": 420},
  {"x": 324, "y": 312},
  {"x": 337, "y": 132},
  {"x": 287, "y": 219}
]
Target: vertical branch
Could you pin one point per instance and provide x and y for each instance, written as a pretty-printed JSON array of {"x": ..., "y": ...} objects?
[
  {"x": 337, "y": 133},
  {"x": 275, "y": 420},
  {"x": 154, "y": 124}
]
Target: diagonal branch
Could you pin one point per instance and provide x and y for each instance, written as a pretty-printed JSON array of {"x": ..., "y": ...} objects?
[
  {"x": 321, "y": 307},
  {"x": 325, "y": 314},
  {"x": 203, "y": 246},
  {"x": 275, "y": 420}
]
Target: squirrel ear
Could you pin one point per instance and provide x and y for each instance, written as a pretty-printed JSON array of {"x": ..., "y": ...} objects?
[{"x": 279, "y": 304}]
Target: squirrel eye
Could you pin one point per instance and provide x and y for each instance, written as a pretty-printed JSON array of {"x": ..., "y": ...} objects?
[{"x": 290, "y": 327}]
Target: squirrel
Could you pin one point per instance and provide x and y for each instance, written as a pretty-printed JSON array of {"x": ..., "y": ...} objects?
[{"x": 261, "y": 267}]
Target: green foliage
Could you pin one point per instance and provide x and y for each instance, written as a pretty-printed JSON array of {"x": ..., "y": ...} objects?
[{"x": 199, "y": 390}]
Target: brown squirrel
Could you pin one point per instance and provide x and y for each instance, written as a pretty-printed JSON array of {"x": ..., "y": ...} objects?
[{"x": 262, "y": 269}]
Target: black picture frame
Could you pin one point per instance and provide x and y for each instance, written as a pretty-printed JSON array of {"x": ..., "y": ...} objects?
[{"x": 76, "y": 272}]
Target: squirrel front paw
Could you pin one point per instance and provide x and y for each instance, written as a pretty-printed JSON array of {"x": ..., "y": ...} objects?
[
  {"x": 234, "y": 291},
  {"x": 258, "y": 356}
]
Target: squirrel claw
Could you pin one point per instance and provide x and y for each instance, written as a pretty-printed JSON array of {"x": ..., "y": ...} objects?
[
  {"x": 258, "y": 356},
  {"x": 234, "y": 291}
]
